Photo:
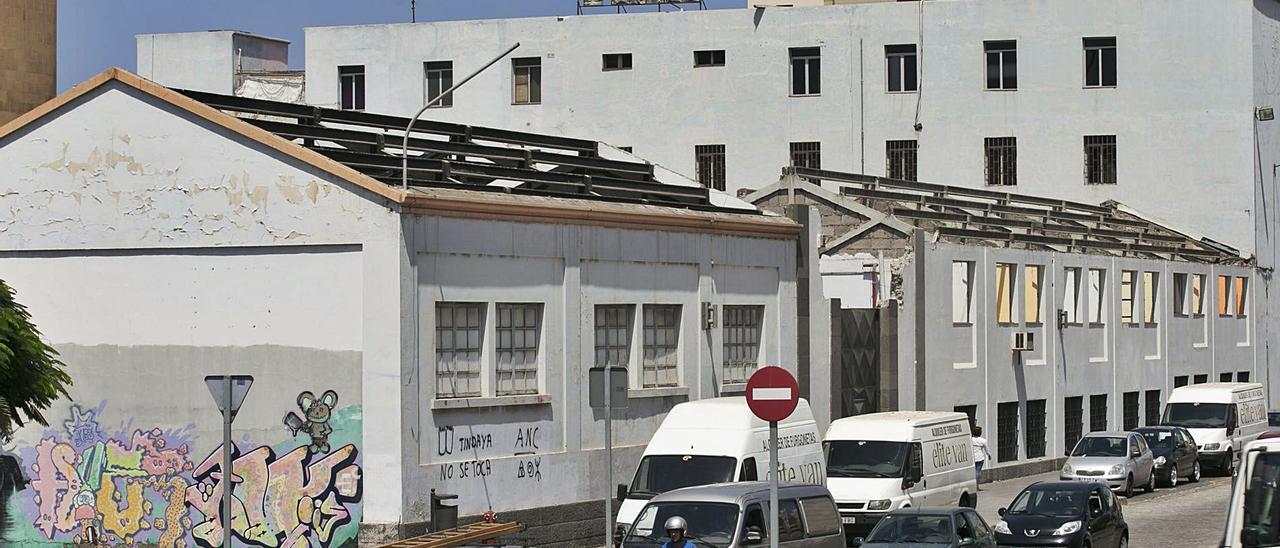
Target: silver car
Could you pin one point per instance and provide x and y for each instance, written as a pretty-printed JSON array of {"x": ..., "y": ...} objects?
[
  {"x": 734, "y": 515},
  {"x": 1121, "y": 460}
]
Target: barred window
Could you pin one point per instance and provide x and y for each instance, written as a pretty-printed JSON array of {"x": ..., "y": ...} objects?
[
  {"x": 1035, "y": 428},
  {"x": 1225, "y": 377},
  {"x": 1100, "y": 159},
  {"x": 661, "y": 345},
  {"x": 1180, "y": 381},
  {"x": 1242, "y": 376},
  {"x": 518, "y": 331},
  {"x": 1153, "y": 408},
  {"x": 1073, "y": 421},
  {"x": 1097, "y": 412},
  {"x": 1001, "y": 161},
  {"x": 710, "y": 160},
  {"x": 613, "y": 334},
  {"x": 1007, "y": 431},
  {"x": 459, "y": 338},
  {"x": 971, "y": 411},
  {"x": 1130, "y": 410},
  {"x": 900, "y": 159},
  {"x": 741, "y": 341},
  {"x": 1200, "y": 379},
  {"x": 807, "y": 154}
]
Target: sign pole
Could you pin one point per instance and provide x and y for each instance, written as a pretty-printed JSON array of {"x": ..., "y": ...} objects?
[
  {"x": 227, "y": 475},
  {"x": 608, "y": 456},
  {"x": 773, "y": 484}
]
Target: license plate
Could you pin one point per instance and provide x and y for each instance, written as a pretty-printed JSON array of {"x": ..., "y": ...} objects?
[{"x": 848, "y": 520}]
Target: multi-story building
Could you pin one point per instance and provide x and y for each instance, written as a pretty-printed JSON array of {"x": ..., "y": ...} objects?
[{"x": 29, "y": 50}]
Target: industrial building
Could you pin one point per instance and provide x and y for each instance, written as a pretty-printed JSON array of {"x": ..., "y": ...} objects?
[
  {"x": 29, "y": 50},
  {"x": 402, "y": 339}
]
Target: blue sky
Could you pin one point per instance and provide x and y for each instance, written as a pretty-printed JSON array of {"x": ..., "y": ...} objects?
[{"x": 96, "y": 34}]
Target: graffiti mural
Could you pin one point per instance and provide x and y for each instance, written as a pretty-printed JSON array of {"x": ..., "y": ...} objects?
[
  {"x": 142, "y": 485},
  {"x": 316, "y": 424}
]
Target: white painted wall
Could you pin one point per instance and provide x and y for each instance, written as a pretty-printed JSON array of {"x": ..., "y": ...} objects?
[{"x": 207, "y": 60}]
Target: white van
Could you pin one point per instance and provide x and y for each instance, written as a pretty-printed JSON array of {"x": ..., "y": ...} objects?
[
  {"x": 719, "y": 440},
  {"x": 1221, "y": 417},
  {"x": 1253, "y": 515},
  {"x": 881, "y": 462}
]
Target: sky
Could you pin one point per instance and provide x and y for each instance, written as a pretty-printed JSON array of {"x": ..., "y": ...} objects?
[{"x": 94, "y": 35}]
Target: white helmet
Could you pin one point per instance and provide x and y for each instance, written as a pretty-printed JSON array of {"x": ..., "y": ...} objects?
[{"x": 676, "y": 522}]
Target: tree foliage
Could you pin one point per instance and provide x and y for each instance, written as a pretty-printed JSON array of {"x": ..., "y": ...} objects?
[{"x": 31, "y": 376}]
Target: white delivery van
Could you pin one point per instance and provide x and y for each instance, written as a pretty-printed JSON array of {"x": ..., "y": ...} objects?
[
  {"x": 719, "y": 440},
  {"x": 1253, "y": 513},
  {"x": 1221, "y": 416},
  {"x": 885, "y": 461}
]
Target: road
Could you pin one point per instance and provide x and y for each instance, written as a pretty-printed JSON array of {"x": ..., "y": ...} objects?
[{"x": 1193, "y": 514}]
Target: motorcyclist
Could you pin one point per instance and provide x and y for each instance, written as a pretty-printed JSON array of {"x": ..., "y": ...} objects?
[{"x": 675, "y": 527}]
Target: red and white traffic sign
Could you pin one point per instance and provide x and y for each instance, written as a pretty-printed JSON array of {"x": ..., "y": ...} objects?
[{"x": 772, "y": 393}]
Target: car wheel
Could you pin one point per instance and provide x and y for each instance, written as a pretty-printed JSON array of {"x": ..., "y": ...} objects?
[
  {"x": 1230, "y": 468},
  {"x": 1173, "y": 475},
  {"x": 1195, "y": 472},
  {"x": 1124, "y": 542},
  {"x": 1151, "y": 482},
  {"x": 1128, "y": 487}
]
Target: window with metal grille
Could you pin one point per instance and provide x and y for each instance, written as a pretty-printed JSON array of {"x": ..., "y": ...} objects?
[
  {"x": 351, "y": 87},
  {"x": 661, "y": 345},
  {"x": 1072, "y": 421},
  {"x": 1097, "y": 412},
  {"x": 900, "y": 61},
  {"x": 900, "y": 159},
  {"x": 1001, "y": 161},
  {"x": 1242, "y": 376},
  {"x": 1002, "y": 64},
  {"x": 710, "y": 160},
  {"x": 519, "y": 333},
  {"x": 616, "y": 61},
  {"x": 1225, "y": 377},
  {"x": 806, "y": 71},
  {"x": 526, "y": 80},
  {"x": 708, "y": 58},
  {"x": 439, "y": 78},
  {"x": 459, "y": 339},
  {"x": 971, "y": 411},
  {"x": 807, "y": 154},
  {"x": 1152, "y": 407},
  {"x": 1100, "y": 62},
  {"x": 1100, "y": 159},
  {"x": 1180, "y": 380},
  {"x": 613, "y": 334},
  {"x": 1035, "y": 428},
  {"x": 1200, "y": 379},
  {"x": 1130, "y": 410},
  {"x": 741, "y": 341},
  {"x": 1007, "y": 431}
]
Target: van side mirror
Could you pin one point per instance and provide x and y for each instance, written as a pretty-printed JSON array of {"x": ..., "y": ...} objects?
[
  {"x": 967, "y": 541},
  {"x": 754, "y": 535},
  {"x": 622, "y": 491},
  {"x": 857, "y": 541}
]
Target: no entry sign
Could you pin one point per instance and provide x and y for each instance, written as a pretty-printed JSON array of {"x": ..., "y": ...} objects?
[{"x": 772, "y": 393}]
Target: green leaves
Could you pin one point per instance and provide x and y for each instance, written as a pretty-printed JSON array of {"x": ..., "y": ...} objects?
[{"x": 31, "y": 376}]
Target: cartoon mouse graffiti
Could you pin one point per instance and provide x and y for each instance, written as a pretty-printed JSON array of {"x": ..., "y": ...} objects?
[{"x": 314, "y": 420}]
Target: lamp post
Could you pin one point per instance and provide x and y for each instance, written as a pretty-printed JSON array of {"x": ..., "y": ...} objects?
[{"x": 404, "y": 149}]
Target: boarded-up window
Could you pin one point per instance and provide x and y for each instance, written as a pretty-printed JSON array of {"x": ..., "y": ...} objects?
[
  {"x": 1032, "y": 275},
  {"x": 1126, "y": 296},
  {"x": 1197, "y": 294},
  {"x": 1097, "y": 302},
  {"x": 1004, "y": 292},
  {"x": 1224, "y": 295},
  {"x": 1242, "y": 299},
  {"x": 1071, "y": 297},
  {"x": 962, "y": 292},
  {"x": 1150, "y": 294},
  {"x": 1179, "y": 294}
]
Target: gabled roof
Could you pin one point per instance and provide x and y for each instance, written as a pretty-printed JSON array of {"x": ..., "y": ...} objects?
[{"x": 459, "y": 170}]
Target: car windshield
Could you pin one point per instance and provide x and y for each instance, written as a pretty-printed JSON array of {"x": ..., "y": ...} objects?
[
  {"x": 865, "y": 459},
  {"x": 913, "y": 528},
  {"x": 1196, "y": 415},
  {"x": 658, "y": 474},
  {"x": 1160, "y": 439},
  {"x": 1099, "y": 446},
  {"x": 711, "y": 523},
  {"x": 1049, "y": 502}
]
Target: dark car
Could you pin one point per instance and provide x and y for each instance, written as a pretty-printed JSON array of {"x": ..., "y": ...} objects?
[
  {"x": 931, "y": 527},
  {"x": 1273, "y": 419},
  {"x": 1077, "y": 514},
  {"x": 1175, "y": 452}
]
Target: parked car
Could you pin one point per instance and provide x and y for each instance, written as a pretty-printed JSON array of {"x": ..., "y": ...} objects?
[
  {"x": 1175, "y": 452},
  {"x": 935, "y": 527},
  {"x": 732, "y": 515},
  {"x": 1121, "y": 460},
  {"x": 1075, "y": 514}
]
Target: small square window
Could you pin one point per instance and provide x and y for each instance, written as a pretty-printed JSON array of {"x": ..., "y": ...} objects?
[
  {"x": 708, "y": 58},
  {"x": 617, "y": 61}
]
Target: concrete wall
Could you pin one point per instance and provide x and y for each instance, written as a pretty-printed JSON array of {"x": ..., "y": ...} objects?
[
  {"x": 1266, "y": 91},
  {"x": 29, "y": 50},
  {"x": 152, "y": 249},
  {"x": 207, "y": 60}
]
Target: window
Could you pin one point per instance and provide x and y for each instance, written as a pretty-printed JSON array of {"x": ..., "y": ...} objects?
[
  {"x": 900, "y": 159},
  {"x": 625, "y": 149},
  {"x": 807, "y": 154},
  {"x": 1032, "y": 278},
  {"x": 901, "y": 73},
  {"x": 1242, "y": 376},
  {"x": 1035, "y": 428},
  {"x": 710, "y": 160},
  {"x": 962, "y": 292},
  {"x": 741, "y": 341},
  {"x": 806, "y": 71},
  {"x": 1241, "y": 296},
  {"x": 1224, "y": 295},
  {"x": 1126, "y": 296},
  {"x": 1071, "y": 294},
  {"x": 1180, "y": 381},
  {"x": 1201, "y": 379},
  {"x": 971, "y": 411},
  {"x": 790, "y": 528},
  {"x": 1007, "y": 431},
  {"x": 1100, "y": 159},
  {"x": 1150, "y": 296},
  {"x": 1073, "y": 421},
  {"x": 749, "y": 472},
  {"x": 1004, "y": 293},
  {"x": 1097, "y": 296},
  {"x": 1153, "y": 408},
  {"x": 1179, "y": 294},
  {"x": 1197, "y": 294},
  {"x": 661, "y": 345},
  {"x": 821, "y": 516},
  {"x": 613, "y": 334},
  {"x": 526, "y": 80},
  {"x": 1225, "y": 377},
  {"x": 439, "y": 78},
  {"x": 708, "y": 58},
  {"x": 1130, "y": 410},
  {"x": 1097, "y": 412},
  {"x": 1002, "y": 64},
  {"x": 755, "y": 519},
  {"x": 519, "y": 332},
  {"x": 1002, "y": 161},
  {"x": 1100, "y": 62},
  {"x": 459, "y": 339},
  {"x": 616, "y": 61},
  {"x": 351, "y": 87}
]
